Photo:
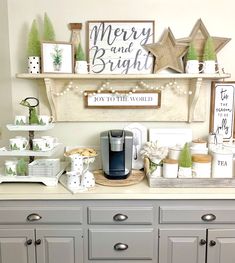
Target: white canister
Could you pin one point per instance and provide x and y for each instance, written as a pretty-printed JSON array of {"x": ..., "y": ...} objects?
[
  {"x": 88, "y": 180},
  {"x": 201, "y": 165},
  {"x": 174, "y": 153},
  {"x": 222, "y": 163},
  {"x": 170, "y": 168},
  {"x": 198, "y": 144}
]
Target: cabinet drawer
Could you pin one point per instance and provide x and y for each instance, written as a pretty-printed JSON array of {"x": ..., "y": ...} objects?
[
  {"x": 188, "y": 214},
  {"x": 120, "y": 215},
  {"x": 121, "y": 244},
  {"x": 12, "y": 215}
]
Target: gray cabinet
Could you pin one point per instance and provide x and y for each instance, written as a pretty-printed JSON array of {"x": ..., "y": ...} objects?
[
  {"x": 15, "y": 246},
  {"x": 47, "y": 234},
  {"x": 221, "y": 246},
  {"x": 182, "y": 246},
  {"x": 59, "y": 245}
]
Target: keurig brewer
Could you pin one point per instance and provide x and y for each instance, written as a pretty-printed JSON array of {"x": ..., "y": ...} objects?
[{"x": 116, "y": 153}]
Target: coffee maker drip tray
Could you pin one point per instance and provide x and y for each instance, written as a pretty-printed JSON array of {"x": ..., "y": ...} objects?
[{"x": 117, "y": 174}]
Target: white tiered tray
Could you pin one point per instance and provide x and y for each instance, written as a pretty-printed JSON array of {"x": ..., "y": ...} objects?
[
  {"x": 48, "y": 181},
  {"x": 12, "y": 127}
]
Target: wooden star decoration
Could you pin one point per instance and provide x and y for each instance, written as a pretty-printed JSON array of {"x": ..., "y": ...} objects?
[
  {"x": 199, "y": 36},
  {"x": 168, "y": 53}
]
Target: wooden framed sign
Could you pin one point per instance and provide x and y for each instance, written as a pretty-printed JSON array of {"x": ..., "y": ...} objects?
[
  {"x": 222, "y": 108},
  {"x": 116, "y": 47},
  {"x": 123, "y": 100}
]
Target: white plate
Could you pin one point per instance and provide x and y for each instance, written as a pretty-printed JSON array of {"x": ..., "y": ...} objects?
[
  {"x": 170, "y": 137},
  {"x": 139, "y": 138}
]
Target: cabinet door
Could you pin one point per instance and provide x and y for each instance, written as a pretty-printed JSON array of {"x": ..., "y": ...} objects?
[
  {"x": 221, "y": 246},
  {"x": 59, "y": 245},
  {"x": 14, "y": 247},
  {"x": 182, "y": 246}
]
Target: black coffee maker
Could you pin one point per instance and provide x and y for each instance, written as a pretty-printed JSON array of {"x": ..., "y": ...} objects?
[{"x": 116, "y": 153}]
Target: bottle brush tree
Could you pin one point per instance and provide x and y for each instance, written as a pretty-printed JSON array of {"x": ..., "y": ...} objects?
[
  {"x": 185, "y": 159},
  {"x": 209, "y": 50},
  {"x": 192, "y": 52},
  {"x": 34, "y": 45},
  {"x": 80, "y": 55},
  {"x": 48, "y": 29}
]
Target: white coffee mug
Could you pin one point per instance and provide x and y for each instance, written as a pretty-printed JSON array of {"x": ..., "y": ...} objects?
[
  {"x": 21, "y": 120},
  {"x": 193, "y": 67},
  {"x": 11, "y": 168},
  {"x": 73, "y": 180},
  {"x": 18, "y": 143},
  {"x": 50, "y": 141},
  {"x": 88, "y": 180},
  {"x": 45, "y": 119},
  {"x": 210, "y": 66},
  {"x": 76, "y": 163},
  {"x": 39, "y": 144},
  {"x": 81, "y": 67}
]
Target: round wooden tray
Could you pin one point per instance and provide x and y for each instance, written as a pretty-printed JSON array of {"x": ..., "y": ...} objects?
[{"x": 135, "y": 177}]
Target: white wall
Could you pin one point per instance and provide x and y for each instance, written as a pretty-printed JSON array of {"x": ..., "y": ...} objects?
[{"x": 179, "y": 15}]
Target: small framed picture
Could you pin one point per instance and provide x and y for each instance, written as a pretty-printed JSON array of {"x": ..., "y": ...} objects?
[{"x": 57, "y": 57}]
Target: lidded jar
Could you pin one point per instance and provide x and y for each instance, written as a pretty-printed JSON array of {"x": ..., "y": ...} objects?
[
  {"x": 170, "y": 168},
  {"x": 201, "y": 165},
  {"x": 222, "y": 164}
]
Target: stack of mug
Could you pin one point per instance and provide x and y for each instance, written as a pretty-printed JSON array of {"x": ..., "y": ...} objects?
[{"x": 79, "y": 178}]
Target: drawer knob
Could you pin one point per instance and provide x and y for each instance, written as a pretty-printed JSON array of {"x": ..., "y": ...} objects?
[
  {"x": 38, "y": 242},
  {"x": 33, "y": 217},
  {"x": 208, "y": 217},
  {"x": 120, "y": 217},
  {"x": 120, "y": 246},
  {"x": 212, "y": 243},
  {"x": 29, "y": 242},
  {"x": 202, "y": 242}
]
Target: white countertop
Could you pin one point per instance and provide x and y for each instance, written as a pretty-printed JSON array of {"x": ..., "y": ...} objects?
[{"x": 37, "y": 191}]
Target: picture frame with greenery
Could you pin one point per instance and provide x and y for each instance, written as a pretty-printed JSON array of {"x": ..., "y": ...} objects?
[{"x": 57, "y": 57}]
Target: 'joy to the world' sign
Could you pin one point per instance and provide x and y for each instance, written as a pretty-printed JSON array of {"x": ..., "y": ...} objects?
[
  {"x": 140, "y": 99},
  {"x": 116, "y": 47}
]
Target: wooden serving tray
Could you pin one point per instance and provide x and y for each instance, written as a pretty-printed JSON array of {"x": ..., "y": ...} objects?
[{"x": 191, "y": 182}]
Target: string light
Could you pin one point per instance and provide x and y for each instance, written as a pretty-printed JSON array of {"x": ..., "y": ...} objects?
[{"x": 173, "y": 85}]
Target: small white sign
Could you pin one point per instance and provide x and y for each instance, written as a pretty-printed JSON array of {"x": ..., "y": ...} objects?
[
  {"x": 116, "y": 47},
  {"x": 124, "y": 100},
  {"x": 223, "y": 112}
]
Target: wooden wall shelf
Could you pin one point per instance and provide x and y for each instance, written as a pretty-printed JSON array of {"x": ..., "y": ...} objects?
[{"x": 195, "y": 82}]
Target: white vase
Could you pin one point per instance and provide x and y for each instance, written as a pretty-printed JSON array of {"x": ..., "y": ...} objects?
[
  {"x": 185, "y": 172},
  {"x": 34, "y": 65},
  {"x": 81, "y": 67}
]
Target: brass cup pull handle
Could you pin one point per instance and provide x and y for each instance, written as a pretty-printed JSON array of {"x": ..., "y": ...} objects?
[
  {"x": 33, "y": 217},
  {"x": 208, "y": 217},
  {"x": 120, "y": 246},
  {"x": 120, "y": 217}
]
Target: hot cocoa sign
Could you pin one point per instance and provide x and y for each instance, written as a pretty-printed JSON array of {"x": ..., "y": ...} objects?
[{"x": 116, "y": 47}]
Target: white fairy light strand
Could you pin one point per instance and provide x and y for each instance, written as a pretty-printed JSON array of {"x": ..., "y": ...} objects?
[{"x": 173, "y": 85}]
